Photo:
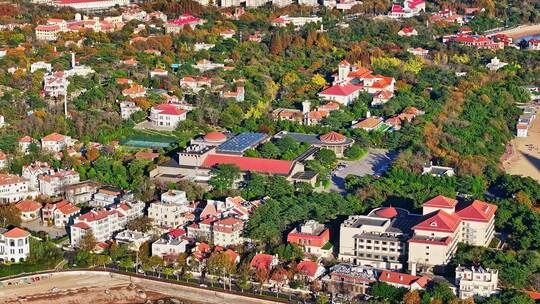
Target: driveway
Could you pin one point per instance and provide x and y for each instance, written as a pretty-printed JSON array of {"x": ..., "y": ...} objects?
[
  {"x": 375, "y": 163},
  {"x": 53, "y": 232}
]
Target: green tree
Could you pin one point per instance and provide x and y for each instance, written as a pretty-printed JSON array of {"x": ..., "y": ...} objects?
[
  {"x": 223, "y": 176},
  {"x": 141, "y": 224},
  {"x": 326, "y": 157}
]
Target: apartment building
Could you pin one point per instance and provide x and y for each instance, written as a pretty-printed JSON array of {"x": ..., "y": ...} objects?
[
  {"x": 14, "y": 245},
  {"x": 60, "y": 213},
  {"x": 389, "y": 237},
  {"x": 103, "y": 223},
  {"x": 476, "y": 282},
  {"x": 313, "y": 236},
  {"x": 168, "y": 212},
  {"x": 227, "y": 232},
  {"x": 14, "y": 188},
  {"x": 33, "y": 171},
  {"x": 378, "y": 239},
  {"x": 176, "y": 25},
  {"x": 54, "y": 183},
  {"x": 444, "y": 225}
]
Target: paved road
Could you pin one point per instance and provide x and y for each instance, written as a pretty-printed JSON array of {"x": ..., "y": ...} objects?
[{"x": 375, "y": 163}]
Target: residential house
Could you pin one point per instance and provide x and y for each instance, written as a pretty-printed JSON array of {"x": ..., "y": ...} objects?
[
  {"x": 195, "y": 84},
  {"x": 81, "y": 192},
  {"x": 30, "y": 210},
  {"x": 14, "y": 245},
  {"x": 128, "y": 108},
  {"x": 33, "y": 171},
  {"x": 369, "y": 124},
  {"x": 313, "y": 237},
  {"x": 410, "y": 8},
  {"x": 264, "y": 261},
  {"x": 60, "y": 213},
  {"x": 176, "y": 25},
  {"x": 55, "y": 142},
  {"x": 171, "y": 244},
  {"x": 167, "y": 116},
  {"x": 310, "y": 270},
  {"x": 134, "y": 91},
  {"x": 408, "y": 31},
  {"x": 134, "y": 239},
  {"x": 3, "y": 160},
  {"x": 24, "y": 144}
]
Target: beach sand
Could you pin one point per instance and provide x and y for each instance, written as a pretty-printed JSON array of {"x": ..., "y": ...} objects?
[
  {"x": 85, "y": 288},
  {"x": 525, "y": 159},
  {"x": 521, "y": 31}
]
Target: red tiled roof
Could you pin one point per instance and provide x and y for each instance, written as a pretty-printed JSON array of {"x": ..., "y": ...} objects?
[
  {"x": 261, "y": 165},
  {"x": 478, "y": 211},
  {"x": 439, "y": 221},
  {"x": 344, "y": 63},
  {"x": 176, "y": 233},
  {"x": 169, "y": 109},
  {"x": 402, "y": 278},
  {"x": 184, "y": 19},
  {"x": 388, "y": 212},
  {"x": 262, "y": 260},
  {"x": 332, "y": 137},
  {"x": 308, "y": 268},
  {"x": 26, "y": 139},
  {"x": 28, "y": 206},
  {"x": 16, "y": 233},
  {"x": 95, "y": 215},
  {"x": 341, "y": 90},
  {"x": 215, "y": 136},
  {"x": 81, "y": 225},
  {"x": 54, "y": 137},
  {"x": 441, "y": 201}
]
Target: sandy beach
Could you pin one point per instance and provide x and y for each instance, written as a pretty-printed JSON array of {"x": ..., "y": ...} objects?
[
  {"x": 521, "y": 31},
  {"x": 82, "y": 287},
  {"x": 525, "y": 157}
]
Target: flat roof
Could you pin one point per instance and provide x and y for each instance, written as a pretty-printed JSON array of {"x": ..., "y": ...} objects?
[{"x": 241, "y": 142}]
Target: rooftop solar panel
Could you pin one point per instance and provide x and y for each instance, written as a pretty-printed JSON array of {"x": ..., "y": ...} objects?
[{"x": 241, "y": 142}]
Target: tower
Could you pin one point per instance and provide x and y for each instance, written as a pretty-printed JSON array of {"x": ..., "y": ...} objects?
[
  {"x": 344, "y": 68},
  {"x": 72, "y": 60},
  {"x": 306, "y": 105}
]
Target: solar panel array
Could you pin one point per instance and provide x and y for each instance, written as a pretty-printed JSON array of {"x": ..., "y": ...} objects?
[{"x": 241, "y": 142}]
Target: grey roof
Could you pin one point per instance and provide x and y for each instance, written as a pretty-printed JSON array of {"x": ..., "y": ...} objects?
[{"x": 306, "y": 175}]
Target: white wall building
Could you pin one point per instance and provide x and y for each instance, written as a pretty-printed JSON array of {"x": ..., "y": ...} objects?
[
  {"x": 14, "y": 188},
  {"x": 14, "y": 245},
  {"x": 33, "y": 171},
  {"x": 104, "y": 222},
  {"x": 55, "y": 142},
  {"x": 169, "y": 211},
  {"x": 171, "y": 244},
  {"x": 476, "y": 282},
  {"x": 54, "y": 183},
  {"x": 167, "y": 116}
]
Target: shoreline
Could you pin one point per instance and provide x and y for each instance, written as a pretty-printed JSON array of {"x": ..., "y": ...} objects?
[{"x": 520, "y": 31}]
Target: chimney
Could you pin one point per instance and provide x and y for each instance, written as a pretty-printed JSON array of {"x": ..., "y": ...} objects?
[
  {"x": 368, "y": 114},
  {"x": 413, "y": 269}
]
